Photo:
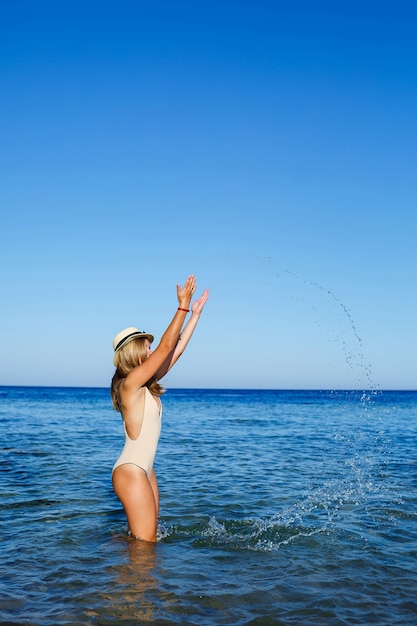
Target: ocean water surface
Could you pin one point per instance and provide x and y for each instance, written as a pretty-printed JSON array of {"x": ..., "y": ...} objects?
[{"x": 277, "y": 507}]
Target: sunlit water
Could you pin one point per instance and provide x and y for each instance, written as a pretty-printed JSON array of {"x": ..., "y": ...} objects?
[{"x": 277, "y": 507}]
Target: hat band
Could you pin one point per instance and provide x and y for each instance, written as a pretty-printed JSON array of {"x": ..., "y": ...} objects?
[{"x": 122, "y": 341}]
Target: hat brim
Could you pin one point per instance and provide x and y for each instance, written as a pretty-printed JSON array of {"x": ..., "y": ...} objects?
[{"x": 147, "y": 336}]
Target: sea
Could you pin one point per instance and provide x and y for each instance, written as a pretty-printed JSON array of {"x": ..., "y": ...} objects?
[{"x": 277, "y": 507}]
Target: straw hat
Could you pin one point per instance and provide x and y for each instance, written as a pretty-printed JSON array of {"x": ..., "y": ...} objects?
[{"x": 126, "y": 335}]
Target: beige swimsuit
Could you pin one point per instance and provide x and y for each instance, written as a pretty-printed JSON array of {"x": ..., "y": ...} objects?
[{"x": 141, "y": 451}]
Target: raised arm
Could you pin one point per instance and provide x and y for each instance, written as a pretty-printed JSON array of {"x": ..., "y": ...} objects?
[
  {"x": 185, "y": 335},
  {"x": 139, "y": 376}
]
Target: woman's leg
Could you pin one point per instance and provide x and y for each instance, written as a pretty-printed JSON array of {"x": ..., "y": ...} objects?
[
  {"x": 154, "y": 485},
  {"x": 135, "y": 492}
]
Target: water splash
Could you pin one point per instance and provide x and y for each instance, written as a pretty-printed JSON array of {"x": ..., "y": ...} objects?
[
  {"x": 254, "y": 534},
  {"x": 319, "y": 514},
  {"x": 354, "y": 356},
  {"x": 322, "y": 308},
  {"x": 327, "y": 501}
]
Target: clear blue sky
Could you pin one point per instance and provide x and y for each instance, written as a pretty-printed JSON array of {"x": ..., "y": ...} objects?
[{"x": 268, "y": 147}]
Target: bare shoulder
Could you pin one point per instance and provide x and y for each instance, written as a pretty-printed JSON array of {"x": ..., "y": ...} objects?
[{"x": 140, "y": 375}]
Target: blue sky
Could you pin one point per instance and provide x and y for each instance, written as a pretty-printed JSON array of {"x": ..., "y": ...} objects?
[{"x": 268, "y": 147}]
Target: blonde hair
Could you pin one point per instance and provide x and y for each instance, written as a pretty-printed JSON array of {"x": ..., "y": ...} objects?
[{"x": 132, "y": 354}]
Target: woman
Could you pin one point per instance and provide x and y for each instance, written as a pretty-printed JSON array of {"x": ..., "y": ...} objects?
[{"x": 136, "y": 394}]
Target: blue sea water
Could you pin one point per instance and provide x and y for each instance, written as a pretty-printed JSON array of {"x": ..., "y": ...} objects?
[{"x": 277, "y": 507}]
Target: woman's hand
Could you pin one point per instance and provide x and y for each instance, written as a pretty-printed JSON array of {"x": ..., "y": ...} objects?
[
  {"x": 185, "y": 293},
  {"x": 198, "y": 304}
]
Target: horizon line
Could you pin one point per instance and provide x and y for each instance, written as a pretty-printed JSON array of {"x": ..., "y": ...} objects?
[{"x": 357, "y": 389}]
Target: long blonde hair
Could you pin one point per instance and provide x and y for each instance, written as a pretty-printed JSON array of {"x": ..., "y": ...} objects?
[{"x": 127, "y": 358}]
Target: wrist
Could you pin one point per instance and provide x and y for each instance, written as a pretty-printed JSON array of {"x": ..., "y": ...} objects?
[{"x": 186, "y": 310}]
